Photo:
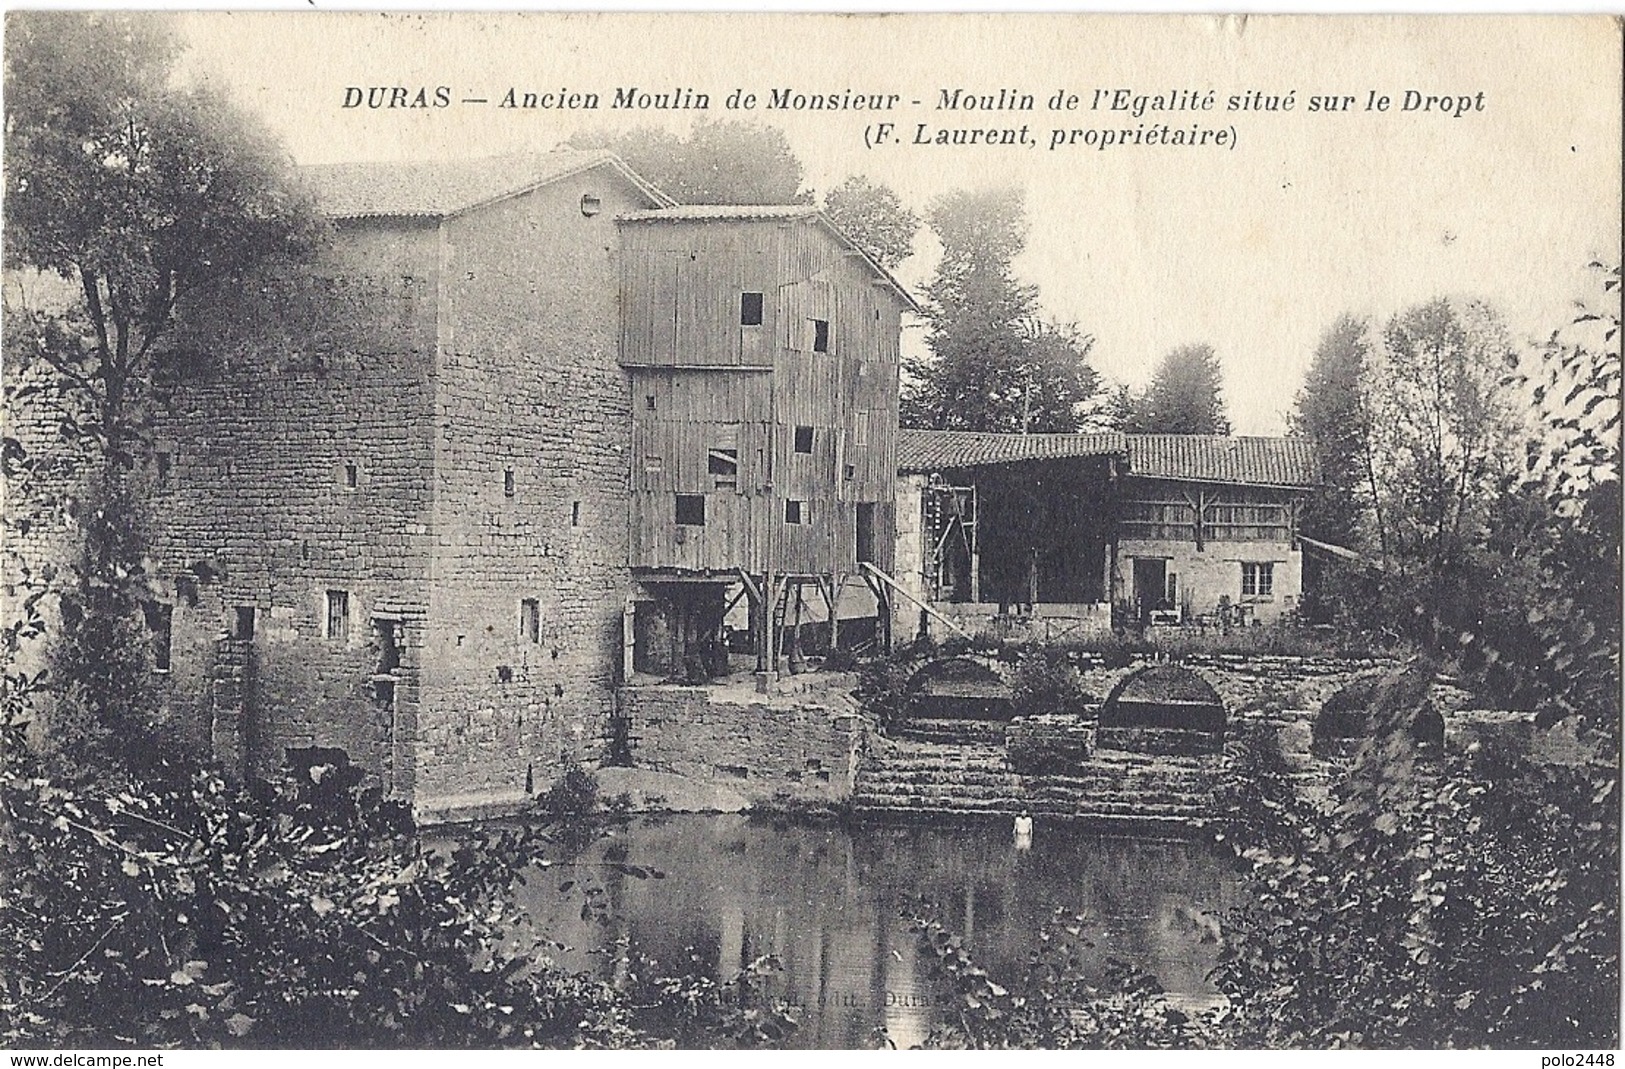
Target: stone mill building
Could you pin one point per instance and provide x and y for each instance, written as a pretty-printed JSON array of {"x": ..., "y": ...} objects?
[{"x": 518, "y": 432}]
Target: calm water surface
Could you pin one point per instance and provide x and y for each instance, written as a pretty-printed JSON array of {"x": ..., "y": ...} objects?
[{"x": 829, "y": 902}]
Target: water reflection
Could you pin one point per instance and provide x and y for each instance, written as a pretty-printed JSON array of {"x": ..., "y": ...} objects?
[{"x": 829, "y": 901}]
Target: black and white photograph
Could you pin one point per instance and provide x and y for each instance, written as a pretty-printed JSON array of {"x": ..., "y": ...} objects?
[{"x": 650, "y": 531}]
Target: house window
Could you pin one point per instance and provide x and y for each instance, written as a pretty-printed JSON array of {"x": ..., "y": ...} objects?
[
  {"x": 165, "y": 463},
  {"x": 649, "y": 401},
  {"x": 243, "y": 624},
  {"x": 338, "y": 614},
  {"x": 818, "y": 335},
  {"x": 575, "y": 514},
  {"x": 591, "y": 204},
  {"x": 159, "y": 617},
  {"x": 507, "y": 482},
  {"x": 804, "y": 439},
  {"x": 352, "y": 475},
  {"x": 1257, "y": 580},
  {"x": 691, "y": 510},
  {"x": 795, "y": 512},
  {"x": 652, "y": 463},
  {"x": 530, "y": 620},
  {"x": 750, "y": 309}
]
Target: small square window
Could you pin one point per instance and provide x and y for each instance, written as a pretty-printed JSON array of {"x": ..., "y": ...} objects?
[
  {"x": 750, "y": 309},
  {"x": 653, "y": 463},
  {"x": 804, "y": 439},
  {"x": 795, "y": 512},
  {"x": 530, "y": 620},
  {"x": 819, "y": 329},
  {"x": 649, "y": 401},
  {"x": 691, "y": 510},
  {"x": 338, "y": 614},
  {"x": 508, "y": 483},
  {"x": 243, "y": 624},
  {"x": 851, "y": 472}
]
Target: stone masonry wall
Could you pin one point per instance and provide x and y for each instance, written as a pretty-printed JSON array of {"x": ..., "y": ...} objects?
[
  {"x": 529, "y": 383},
  {"x": 797, "y": 746},
  {"x": 295, "y": 437}
]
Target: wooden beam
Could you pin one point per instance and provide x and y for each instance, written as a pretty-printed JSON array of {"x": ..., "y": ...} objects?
[{"x": 870, "y": 569}]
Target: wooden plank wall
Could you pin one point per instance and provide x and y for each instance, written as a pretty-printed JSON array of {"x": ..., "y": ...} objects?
[{"x": 681, "y": 286}]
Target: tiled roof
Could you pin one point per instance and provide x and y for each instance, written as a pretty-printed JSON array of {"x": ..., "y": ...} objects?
[
  {"x": 1222, "y": 459},
  {"x": 1195, "y": 457},
  {"x": 934, "y": 450},
  {"x": 722, "y": 211},
  {"x": 447, "y": 187}
]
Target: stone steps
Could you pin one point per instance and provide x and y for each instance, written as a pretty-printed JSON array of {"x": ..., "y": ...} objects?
[{"x": 907, "y": 778}]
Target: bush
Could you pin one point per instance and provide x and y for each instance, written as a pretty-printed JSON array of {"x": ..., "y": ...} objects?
[{"x": 1046, "y": 684}]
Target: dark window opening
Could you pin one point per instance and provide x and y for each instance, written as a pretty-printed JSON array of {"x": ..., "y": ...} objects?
[
  {"x": 820, "y": 333},
  {"x": 653, "y": 464},
  {"x": 159, "y": 617},
  {"x": 866, "y": 532},
  {"x": 507, "y": 482},
  {"x": 383, "y": 693},
  {"x": 750, "y": 309},
  {"x": 851, "y": 472},
  {"x": 804, "y": 439},
  {"x": 691, "y": 510},
  {"x": 591, "y": 204},
  {"x": 649, "y": 402},
  {"x": 165, "y": 462},
  {"x": 723, "y": 462},
  {"x": 338, "y": 614},
  {"x": 795, "y": 512},
  {"x": 504, "y": 673},
  {"x": 575, "y": 514},
  {"x": 389, "y": 645},
  {"x": 530, "y": 620},
  {"x": 243, "y": 626},
  {"x": 352, "y": 476}
]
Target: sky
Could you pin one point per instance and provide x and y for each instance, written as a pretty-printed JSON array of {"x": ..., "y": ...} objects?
[{"x": 1254, "y": 248}]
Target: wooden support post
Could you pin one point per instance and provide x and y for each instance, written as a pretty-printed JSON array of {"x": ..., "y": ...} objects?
[{"x": 628, "y": 638}]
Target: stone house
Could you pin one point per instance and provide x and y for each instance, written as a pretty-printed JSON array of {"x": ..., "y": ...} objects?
[
  {"x": 1084, "y": 530},
  {"x": 401, "y": 493}
]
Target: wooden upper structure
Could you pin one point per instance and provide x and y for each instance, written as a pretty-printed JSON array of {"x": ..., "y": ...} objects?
[{"x": 762, "y": 351}]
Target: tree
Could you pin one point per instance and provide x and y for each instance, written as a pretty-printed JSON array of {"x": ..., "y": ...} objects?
[
  {"x": 144, "y": 195},
  {"x": 995, "y": 364},
  {"x": 1331, "y": 413},
  {"x": 1442, "y": 436},
  {"x": 872, "y": 215},
  {"x": 727, "y": 162},
  {"x": 1186, "y": 395}
]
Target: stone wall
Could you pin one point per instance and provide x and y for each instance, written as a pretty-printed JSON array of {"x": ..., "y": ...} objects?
[
  {"x": 292, "y": 457},
  {"x": 1215, "y": 570},
  {"x": 529, "y": 382},
  {"x": 800, "y": 746}
]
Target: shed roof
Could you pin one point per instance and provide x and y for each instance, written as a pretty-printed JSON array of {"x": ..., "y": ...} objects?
[
  {"x": 1194, "y": 457},
  {"x": 440, "y": 188},
  {"x": 1219, "y": 458},
  {"x": 932, "y": 450},
  {"x": 772, "y": 213}
]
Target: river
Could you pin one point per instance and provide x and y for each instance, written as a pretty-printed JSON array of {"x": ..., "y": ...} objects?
[{"x": 829, "y": 902}]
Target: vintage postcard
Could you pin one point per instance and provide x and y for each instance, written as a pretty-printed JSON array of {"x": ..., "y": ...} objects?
[{"x": 811, "y": 531}]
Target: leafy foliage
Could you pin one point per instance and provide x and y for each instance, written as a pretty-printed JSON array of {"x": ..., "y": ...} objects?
[
  {"x": 1186, "y": 396},
  {"x": 995, "y": 364},
  {"x": 1052, "y": 1004},
  {"x": 872, "y": 215}
]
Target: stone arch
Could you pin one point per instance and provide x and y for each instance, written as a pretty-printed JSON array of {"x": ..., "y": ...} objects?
[
  {"x": 1162, "y": 709},
  {"x": 960, "y": 688}
]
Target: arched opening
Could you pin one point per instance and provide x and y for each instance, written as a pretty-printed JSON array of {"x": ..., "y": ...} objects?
[{"x": 1162, "y": 709}]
